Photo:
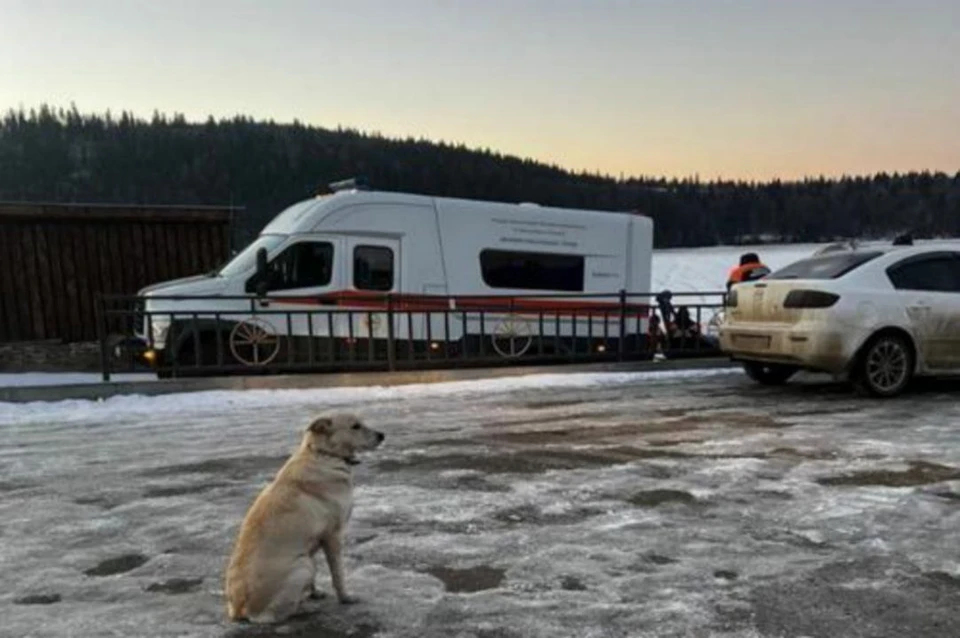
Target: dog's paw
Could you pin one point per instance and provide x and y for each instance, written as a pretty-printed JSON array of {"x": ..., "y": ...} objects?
[
  {"x": 348, "y": 600},
  {"x": 316, "y": 594}
]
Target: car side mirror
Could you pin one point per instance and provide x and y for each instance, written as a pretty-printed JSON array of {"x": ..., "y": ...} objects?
[{"x": 261, "y": 288}]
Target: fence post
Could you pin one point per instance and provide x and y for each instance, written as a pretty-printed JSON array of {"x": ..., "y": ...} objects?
[
  {"x": 391, "y": 342},
  {"x": 621, "y": 342},
  {"x": 100, "y": 318}
]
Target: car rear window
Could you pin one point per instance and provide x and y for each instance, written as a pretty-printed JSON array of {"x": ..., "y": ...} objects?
[{"x": 829, "y": 266}]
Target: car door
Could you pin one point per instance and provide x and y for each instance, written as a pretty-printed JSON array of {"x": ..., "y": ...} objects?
[
  {"x": 374, "y": 274},
  {"x": 928, "y": 287}
]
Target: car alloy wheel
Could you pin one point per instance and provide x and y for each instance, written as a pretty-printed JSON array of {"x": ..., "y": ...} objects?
[{"x": 886, "y": 367}]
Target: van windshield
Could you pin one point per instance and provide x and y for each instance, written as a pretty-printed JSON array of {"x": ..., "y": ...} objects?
[{"x": 247, "y": 258}]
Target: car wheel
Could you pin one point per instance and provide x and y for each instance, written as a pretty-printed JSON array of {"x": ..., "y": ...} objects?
[
  {"x": 769, "y": 373},
  {"x": 885, "y": 368}
]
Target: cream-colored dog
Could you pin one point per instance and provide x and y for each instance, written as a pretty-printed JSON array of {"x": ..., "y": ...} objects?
[{"x": 305, "y": 508}]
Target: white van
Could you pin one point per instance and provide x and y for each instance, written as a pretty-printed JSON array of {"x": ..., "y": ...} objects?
[{"x": 326, "y": 269}]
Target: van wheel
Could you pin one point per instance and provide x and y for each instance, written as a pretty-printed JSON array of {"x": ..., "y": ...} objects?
[
  {"x": 769, "y": 373},
  {"x": 512, "y": 337},
  {"x": 885, "y": 366},
  {"x": 187, "y": 355}
]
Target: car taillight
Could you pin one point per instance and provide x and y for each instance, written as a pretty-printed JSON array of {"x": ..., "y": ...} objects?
[{"x": 810, "y": 299}]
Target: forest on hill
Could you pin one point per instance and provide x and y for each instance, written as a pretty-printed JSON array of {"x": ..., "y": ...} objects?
[{"x": 54, "y": 154}]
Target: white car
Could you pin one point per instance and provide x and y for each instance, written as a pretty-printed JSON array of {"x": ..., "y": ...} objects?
[{"x": 876, "y": 315}]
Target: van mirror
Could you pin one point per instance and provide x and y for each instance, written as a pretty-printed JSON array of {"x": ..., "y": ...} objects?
[
  {"x": 260, "y": 277},
  {"x": 261, "y": 261}
]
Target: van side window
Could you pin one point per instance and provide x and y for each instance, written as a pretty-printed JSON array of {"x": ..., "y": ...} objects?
[
  {"x": 373, "y": 268},
  {"x": 303, "y": 265},
  {"x": 532, "y": 271}
]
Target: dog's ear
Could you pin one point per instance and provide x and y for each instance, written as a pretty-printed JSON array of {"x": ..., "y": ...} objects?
[{"x": 322, "y": 425}]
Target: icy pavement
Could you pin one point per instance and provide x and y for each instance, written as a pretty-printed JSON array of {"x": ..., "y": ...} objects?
[
  {"x": 671, "y": 504},
  {"x": 25, "y": 379}
]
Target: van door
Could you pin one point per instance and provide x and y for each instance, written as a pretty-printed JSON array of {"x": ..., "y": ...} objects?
[
  {"x": 374, "y": 273},
  {"x": 299, "y": 278}
]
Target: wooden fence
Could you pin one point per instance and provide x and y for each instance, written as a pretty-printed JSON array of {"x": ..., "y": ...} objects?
[{"x": 56, "y": 258}]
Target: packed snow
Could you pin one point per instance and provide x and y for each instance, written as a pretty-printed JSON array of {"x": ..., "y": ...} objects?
[
  {"x": 635, "y": 504},
  {"x": 211, "y": 402}
]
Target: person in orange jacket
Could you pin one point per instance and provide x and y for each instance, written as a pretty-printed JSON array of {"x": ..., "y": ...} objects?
[{"x": 750, "y": 269}]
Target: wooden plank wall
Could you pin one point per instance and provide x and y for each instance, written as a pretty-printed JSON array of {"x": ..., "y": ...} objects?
[{"x": 55, "y": 259}]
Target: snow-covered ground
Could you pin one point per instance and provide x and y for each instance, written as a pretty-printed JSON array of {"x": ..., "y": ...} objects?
[{"x": 641, "y": 504}]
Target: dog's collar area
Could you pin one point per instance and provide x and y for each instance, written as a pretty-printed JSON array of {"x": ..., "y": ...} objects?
[{"x": 349, "y": 460}]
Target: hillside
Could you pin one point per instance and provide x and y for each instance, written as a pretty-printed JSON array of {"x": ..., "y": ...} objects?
[{"x": 62, "y": 155}]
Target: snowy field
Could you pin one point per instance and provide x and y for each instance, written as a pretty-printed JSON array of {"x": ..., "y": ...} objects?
[
  {"x": 645, "y": 504},
  {"x": 705, "y": 269}
]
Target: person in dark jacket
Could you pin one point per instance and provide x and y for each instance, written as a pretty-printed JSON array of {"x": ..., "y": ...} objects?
[
  {"x": 750, "y": 269},
  {"x": 666, "y": 306}
]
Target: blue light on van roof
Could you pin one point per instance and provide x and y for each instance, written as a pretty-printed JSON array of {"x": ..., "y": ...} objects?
[{"x": 354, "y": 183}]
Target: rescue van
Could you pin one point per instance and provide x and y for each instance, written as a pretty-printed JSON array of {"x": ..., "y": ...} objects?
[{"x": 327, "y": 268}]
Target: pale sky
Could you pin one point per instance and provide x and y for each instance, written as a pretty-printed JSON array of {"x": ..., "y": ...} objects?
[{"x": 748, "y": 89}]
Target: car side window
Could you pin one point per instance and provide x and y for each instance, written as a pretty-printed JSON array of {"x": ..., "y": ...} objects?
[
  {"x": 303, "y": 265},
  {"x": 940, "y": 273}
]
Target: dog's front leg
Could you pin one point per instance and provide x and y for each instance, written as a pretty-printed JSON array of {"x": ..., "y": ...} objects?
[
  {"x": 313, "y": 593},
  {"x": 333, "y": 548}
]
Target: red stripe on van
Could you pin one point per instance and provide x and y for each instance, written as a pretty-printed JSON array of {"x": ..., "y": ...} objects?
[{"x": 435, "y": 303}]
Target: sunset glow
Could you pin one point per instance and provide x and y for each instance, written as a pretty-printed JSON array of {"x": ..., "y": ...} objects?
[{"x": 752, "y": 89}]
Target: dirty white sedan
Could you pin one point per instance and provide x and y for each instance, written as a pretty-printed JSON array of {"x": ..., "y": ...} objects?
[{"x": 878, "y": 316}]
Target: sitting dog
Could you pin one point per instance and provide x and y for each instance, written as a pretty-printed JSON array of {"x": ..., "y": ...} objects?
[{"x": 304, "y": 509}]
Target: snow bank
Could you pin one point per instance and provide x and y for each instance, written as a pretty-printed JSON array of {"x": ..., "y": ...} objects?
[{"x": 128, "y": 406}]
